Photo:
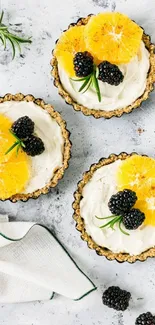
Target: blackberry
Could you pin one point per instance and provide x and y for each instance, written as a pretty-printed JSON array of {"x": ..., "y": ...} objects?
[
  {"x": 33, "y": 146},
  {"x": 133, "y": 219},
  {"x": 145, "y": 319},
  {"x": 83, "y": 64},
  {"x": 110, "y": 73},
  {"x": 23, "y": 127},
  {"x": 122, "y": 202},
  {"x": 116, "y": 298}
]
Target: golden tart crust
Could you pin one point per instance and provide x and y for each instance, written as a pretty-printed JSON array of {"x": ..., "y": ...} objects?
[
  {"x": 80, "y": 224},
  {"x": 101, "y": 113},
  {"x": 58, "y": 173}
]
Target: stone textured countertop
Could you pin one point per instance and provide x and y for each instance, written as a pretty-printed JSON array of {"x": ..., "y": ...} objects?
[{"x": 92, "y": 139}]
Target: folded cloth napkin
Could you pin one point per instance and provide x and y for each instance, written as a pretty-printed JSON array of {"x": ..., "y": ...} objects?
[{"x": 34, "y": 265}]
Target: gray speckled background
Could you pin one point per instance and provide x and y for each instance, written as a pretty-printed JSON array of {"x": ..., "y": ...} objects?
[{"x": 92, "y": 139}]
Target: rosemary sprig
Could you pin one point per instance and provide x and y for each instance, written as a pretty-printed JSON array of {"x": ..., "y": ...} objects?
[
  {"x": 89, "y": 80},
  {"x": 12, "y": 38},
  {"x": 18, "y": 144},
  {"x": 96, "y": 86},
  {"x": 114, "y": 219}
]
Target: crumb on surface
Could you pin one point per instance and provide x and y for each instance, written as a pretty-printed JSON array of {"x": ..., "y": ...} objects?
[{"x": 140, "y": 131}]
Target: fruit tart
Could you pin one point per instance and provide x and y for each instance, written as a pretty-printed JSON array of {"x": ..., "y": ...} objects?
[
  {"x": 104, "y": 65},
  {"x": 114, "y": 207},
  {"x": 34, "y": 147}
]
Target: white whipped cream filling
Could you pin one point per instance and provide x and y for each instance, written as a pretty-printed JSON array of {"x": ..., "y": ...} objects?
[
  {"x": 42, "y": 166},
  {"x": 96, "y": 195},
  {"x": 113, "y": 97}
]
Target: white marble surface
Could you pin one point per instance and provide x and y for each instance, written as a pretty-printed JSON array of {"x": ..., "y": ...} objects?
[{"x": 92, "y": 139}]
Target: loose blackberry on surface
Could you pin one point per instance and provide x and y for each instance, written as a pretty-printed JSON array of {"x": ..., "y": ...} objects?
[
  {"x": 33, "y": 146},
  {"x": 23, "y": 127},
  {"x": 145, "y": 319},
  {"x": 116, "y": 298},
  {"x": 83, "y": 64},
  {"x": 110, "y": 73},
  {"x": 133, "y": 219},
  {"x": 122, "y": 202}
]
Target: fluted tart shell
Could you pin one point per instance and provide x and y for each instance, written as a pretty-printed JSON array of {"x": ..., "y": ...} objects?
[
  {"x": 80, "y": 224},
  {"x": 102, "y": 113}
]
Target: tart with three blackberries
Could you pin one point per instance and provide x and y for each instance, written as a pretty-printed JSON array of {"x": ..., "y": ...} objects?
[
  {"x": 114, "y": 207},
  {"x": 104, "y": 65},
  {"x": 34, "y": 147}
]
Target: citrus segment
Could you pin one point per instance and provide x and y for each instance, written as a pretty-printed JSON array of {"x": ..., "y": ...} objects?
[
  {"x": 6, "y": 142},
  {"x": 5, "y": 123},
  {"x": 147, "y": 206},
  {"x": 138, "y": 174},
  {"x": 13, "y": 178},
  {"x": 70, "y": 42},
  {"x": 113, "y": 37},
  {"x": 6, "y": 138},
  {"x": 14, "y": 169},
  {"x": 66, "y": 62}
]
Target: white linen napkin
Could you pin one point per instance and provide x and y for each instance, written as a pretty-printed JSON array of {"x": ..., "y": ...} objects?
[{"x": 34, "y": 265}]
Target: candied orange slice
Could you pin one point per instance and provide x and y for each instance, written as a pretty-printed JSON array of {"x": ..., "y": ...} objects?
[
  {"x": 70, "y": 42},
  {"x": 14, "y": 169},
  {"x": 138, "y": 174},
  {"x": 113, "y": 37}
]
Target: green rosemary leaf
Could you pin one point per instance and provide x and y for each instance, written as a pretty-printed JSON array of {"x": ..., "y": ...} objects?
[
  {"x": 124, "y": 232},
  {"x": 107, "y": 224},
  {"x": 97, "y": 72},
  {"x": 22, "y": 144},
  {"x": 13, "y": 46},
  {"x": 110, "y": 217},
  {"x": 3, "y": 40},
  {"x": 89, "y": 84},
  {"x": 19, "y": 39},
  {"x": 18, "y": 147},
  {"x": 96, "y": 85},
  {"x": 82, "y": 79},
  {"x": 14, "y": 135},
  {"x": 12, "y": 147},
  {"x": 18, "y": 45},
  {"x": 1, "y": 17},
  {"x": 84, "y": 85},
  {"x": 19, "y": 143},
  {"x": 4, "y": 28},
  {"x": 12, "y": 38},
  {"x": 114, "y": 221},
  {"x": 112, "y": 226}
]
